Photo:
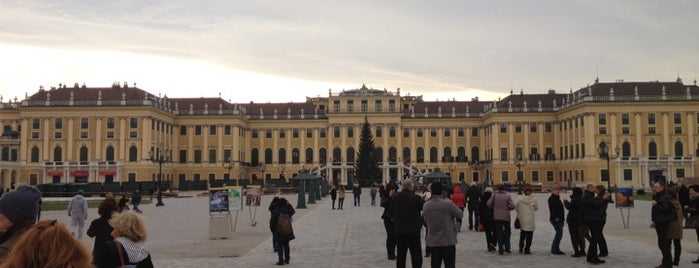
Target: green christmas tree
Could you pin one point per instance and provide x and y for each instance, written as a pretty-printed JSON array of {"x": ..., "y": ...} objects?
[{"x": 367, "y": 164}]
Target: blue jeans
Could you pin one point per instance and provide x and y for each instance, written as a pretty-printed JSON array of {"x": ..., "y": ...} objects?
[
  {"x": 503, "y": 232},
  {"x": 556, "y": 245}
]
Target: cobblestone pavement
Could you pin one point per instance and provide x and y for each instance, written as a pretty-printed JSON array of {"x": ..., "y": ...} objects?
[{"x": 355, "y": 237}]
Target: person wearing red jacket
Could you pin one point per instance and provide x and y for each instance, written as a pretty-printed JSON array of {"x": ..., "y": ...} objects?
[{"x": 460, "y": 201}]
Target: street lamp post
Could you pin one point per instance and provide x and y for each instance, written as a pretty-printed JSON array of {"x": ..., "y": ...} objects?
[
  {"x": 230, "y": 166},
  {"x": 159, "y": 154},
  {"x": 519, "y": 163},
  {"x": 603, "y": 151}
]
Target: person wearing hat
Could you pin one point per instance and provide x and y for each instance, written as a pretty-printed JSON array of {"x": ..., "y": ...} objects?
[
  {"x": 18, "y": 211},
  {"x": 77, "y": 210}
]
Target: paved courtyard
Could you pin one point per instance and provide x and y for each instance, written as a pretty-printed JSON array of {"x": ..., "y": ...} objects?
[{"x": 178, "y": 237}]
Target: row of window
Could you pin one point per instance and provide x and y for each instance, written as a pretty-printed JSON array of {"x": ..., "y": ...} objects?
[
  {"x": 378, "y": 105},
  {"x": 651, "y": 130},
  {"x": 133, "y": 134},
  {"x": 676, "y": 119},
  {"x": 378, "y": 132},
  {"x": 533, "y": 127},
  {"x": 83, "y": 154}
]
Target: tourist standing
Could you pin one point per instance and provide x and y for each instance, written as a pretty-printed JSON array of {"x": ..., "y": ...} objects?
[
  {"x": 341, "y": 197},
  {"x": 136, "y": 201},
  {"x": 693, "y": 209},
  {"x": 592, "y": 216},
  {"x": 333, "y": 194},
  {"x": 372, "y": 193},
  {"x": 48, "y": 244},
  {"x": 486, "y": 214},
  {"x": 357, "y": 194},
  {"x": 100, "y": 228},
  {"x": 526, "y": 208},
  {"x": 662, "y": 214},
  {"x": 556, "y": 217},
  {"x": 602, "y": 246},
  {"x": 127, "y": 247},
  {"x": 473, "y": 194},
  {"x": 575, "y": 220},
  {"x": 683, "y": 196},
  {"x": 460, "y": 201},
  {"x": 280, "y": 224},
  {"x": 405, "y": 212},
  {"x": 501, "y": 203},
  {"x": 674, "y": 233},
  {"x": 272, "y": 206},
  {"x": 18, "y": 212},
  {"x": 386, "y": 194},
  {"x": 77, "y": 211},
  {"x": 440, "y": 215}
]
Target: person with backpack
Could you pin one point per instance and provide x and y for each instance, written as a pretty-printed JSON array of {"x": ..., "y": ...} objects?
[{"x": 280, "y": 225}]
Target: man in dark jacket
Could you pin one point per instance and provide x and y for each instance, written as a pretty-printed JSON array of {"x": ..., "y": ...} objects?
[
  {"x": 683, "y": 195},
  {"x": 405, "y": 213},
  {"x": 575, "y": 220},
  {"x": 592, "y": 216},
  {"x": 473, "y": 194},
  {"x": 662, "y": 214},
  {"x": 556, "y": 216},
  {"x": 386, "y": 194}
]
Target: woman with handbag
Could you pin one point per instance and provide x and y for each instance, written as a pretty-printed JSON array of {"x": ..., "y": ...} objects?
[
  {"x": 693, "y": 210},
  {"x": 526, "y": 208}
]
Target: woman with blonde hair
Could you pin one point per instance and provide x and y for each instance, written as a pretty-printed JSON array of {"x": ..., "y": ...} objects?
[
  {"x": 127, "y": 247},
  {"x": 48, "y": 244}
]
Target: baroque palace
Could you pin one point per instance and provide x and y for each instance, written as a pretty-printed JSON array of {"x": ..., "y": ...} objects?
[{"x": 640, "y": 132}]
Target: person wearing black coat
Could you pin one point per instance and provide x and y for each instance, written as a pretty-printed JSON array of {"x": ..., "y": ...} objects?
[
  {"x": 557, "y": 219},
  {"x": 100, "y": 228},
  {"x": 602, "y": 247},
  {"x": 662, "y": 214},
  {"x": 486, "y": 214},
  {"x": 574, "y": 220},
  {"x": 405, "y": 209},
  {"x": 281, "y": 241},
  {"x": 473, "y": 194},
  {"x": 592, "y": 216},
  {"x": 385, "y": 194}
]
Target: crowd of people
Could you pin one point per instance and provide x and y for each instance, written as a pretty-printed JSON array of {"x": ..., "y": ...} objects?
[
  {"x": 440, "y": 209},
  {"x": 27, "y": 242}
]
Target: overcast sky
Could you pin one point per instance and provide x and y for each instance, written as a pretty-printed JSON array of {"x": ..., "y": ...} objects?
[{"x": 284, "y": 50}]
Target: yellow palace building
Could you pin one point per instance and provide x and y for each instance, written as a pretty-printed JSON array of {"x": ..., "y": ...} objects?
[{"x": 117, "y": 134}]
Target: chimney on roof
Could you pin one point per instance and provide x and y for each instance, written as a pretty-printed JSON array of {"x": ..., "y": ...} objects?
[
  {"x": 126, "y": 84},
  {"x": 84, "y": 86},
  {"x": 679, "y": 80},
  {"x": 76, "y": 85},
  {"x": 552, "y": 91}
]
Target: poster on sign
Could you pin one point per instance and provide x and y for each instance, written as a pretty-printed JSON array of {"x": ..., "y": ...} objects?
[
  {"x": 252, "y": 196},
  {"x": 218, "y": 200},
  {"x": 624, "y": 197},
  {"x": 235, "y": 198}
]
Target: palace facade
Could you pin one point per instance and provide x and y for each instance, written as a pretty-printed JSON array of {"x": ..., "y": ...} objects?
[{"x": 122, "y": 133}]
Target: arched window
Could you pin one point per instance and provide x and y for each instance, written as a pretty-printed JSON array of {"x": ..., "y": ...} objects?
[
  {"x": 652, "y": 150},
  {"x": 268, "y": 156},
  {"x": 322, "y": 155},
  {"x": 406, "y": 154},
  {"x": 83, "y": 154},
  {"x": 625, "y": 150},
  {"x": 255, "y": 157},
  {"x": 309, "y": 155},
  {"x": 678, "y": 150},
  {"x": 295, "y": 154},
  {"x": 392, "y": 154},
  {"x": 461, "y": 155},
  {"x": 447, "y": 155},
  {"x": 379, "y": 154},
  {"x": 434, "y": 157},
  {"x": 282, "y": 156},
  {"x": 350, "y": 155},
  {"x": 57, "y": 154},
  {"x": 133, "y": 153},
  {"x": 475, "y": 154},
  {"x": 109, "y": 153},
  {"x": 337, "y": 155},
  {"x": 420, "y": 155},
  {"x": 35, "y": 154}
]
